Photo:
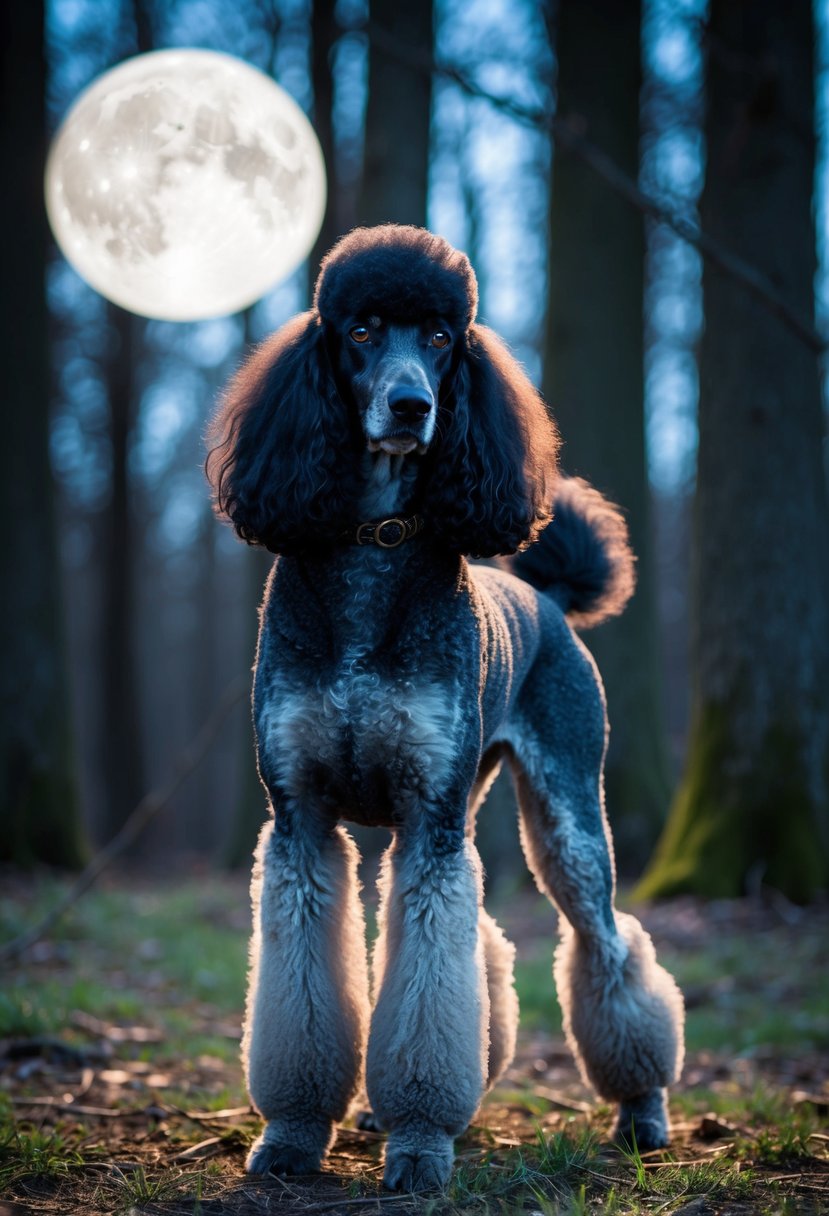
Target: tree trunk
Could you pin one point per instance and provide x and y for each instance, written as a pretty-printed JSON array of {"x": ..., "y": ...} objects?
[
  {"x": 324, "y": 34},
  {"x": 753, "y": 804},
  {"x": 121, "y": 737},
  {"x": 38, "y": 812},
  {"x": 396, "y": 167},
  {"x": 121, "y": 745},
  {"x": 593, "y": 379}
]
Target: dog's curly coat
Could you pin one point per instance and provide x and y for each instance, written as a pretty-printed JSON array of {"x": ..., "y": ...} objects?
[{"x": 390, "y": 683}]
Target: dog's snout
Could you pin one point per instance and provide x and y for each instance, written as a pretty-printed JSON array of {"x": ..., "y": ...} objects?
[{"x": 409, "y": 403}]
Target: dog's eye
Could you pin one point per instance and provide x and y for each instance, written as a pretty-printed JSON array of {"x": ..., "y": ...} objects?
[
  {"x": 440, "y": 339},
  {"x": 359, "y": 333}
]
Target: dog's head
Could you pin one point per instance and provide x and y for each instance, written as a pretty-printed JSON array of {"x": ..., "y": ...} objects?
[
  {"x": 395, "y": 304},
  {"x": 389, "y": 359}
]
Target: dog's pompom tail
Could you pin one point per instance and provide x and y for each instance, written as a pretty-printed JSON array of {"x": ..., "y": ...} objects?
[{"x": 583, "y": 558}]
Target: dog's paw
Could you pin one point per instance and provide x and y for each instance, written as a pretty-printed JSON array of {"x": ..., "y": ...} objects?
[
  {"x": 409, "y": 1168},
  {"x": 643, "y": 1123},
  {"x": 271, "y": 1157},
  {"x": 367, "y": 1121}
]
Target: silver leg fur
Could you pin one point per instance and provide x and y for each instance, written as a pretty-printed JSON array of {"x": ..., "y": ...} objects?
[
  {"x": 427, "y": 1056},
  {"x": 307, "y": 1010},
  {"x": 623, "y": 1013}
]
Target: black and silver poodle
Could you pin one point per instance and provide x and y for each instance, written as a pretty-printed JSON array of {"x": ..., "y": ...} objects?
[{"x": 373, "y": 443}]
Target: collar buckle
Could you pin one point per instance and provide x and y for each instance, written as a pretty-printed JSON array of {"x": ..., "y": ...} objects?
[{"x": 388, "y": 533}]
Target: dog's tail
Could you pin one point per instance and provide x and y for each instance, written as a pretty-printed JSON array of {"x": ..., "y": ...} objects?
[{"x": 583, "y": 558}]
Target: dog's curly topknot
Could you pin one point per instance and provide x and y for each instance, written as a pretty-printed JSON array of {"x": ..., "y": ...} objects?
[{"x": 400, "y": 272}]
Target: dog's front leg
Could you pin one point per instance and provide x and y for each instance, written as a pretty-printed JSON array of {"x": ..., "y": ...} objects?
[
  {"x": 307, "y": 1009},
  {"x": 427, "y": 1051}
]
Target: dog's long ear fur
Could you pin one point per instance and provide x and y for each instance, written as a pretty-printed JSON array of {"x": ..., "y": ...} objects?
[
  {"x": 279, "y": 460},
  {"x": 493, "y": 482}
]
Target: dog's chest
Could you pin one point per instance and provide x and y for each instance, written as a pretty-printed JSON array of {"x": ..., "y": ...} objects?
[{"x": 362, "y": 743}]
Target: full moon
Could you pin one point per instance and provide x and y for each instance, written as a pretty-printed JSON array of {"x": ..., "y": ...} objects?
[{"x": 185, "y": 184}]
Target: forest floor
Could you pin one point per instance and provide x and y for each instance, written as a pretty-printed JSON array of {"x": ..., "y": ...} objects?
[{"x": 121, "y": 1091}]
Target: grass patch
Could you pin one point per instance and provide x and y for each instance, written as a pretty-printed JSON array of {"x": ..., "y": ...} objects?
[
  {"x": 172, "y": 959},
  {"x": 675, "y": 1180},
  {"x": 542, "y": 1173},
  {"x": 536, "y": 991},
  {"x": 27, "y": 1152},
  {"x": 48, "y": 1007},
  {"x": 134, "y": 956},
  {"x": 738, "y": 1005},
  {"x": 126, "y": 1189}
]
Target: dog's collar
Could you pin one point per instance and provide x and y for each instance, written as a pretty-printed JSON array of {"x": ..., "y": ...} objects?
[{"x": 387, "y": 533}]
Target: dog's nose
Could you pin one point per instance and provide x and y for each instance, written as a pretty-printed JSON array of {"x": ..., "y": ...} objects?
[{"x": 409, "y": 403}]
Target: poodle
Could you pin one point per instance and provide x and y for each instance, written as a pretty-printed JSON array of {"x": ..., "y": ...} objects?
[{"x": 374, "y": 443}]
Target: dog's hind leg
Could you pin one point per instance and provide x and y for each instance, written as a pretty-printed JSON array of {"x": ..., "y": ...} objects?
[
  {"x": 426, "y": 1064},
  {"x": 623, "y": 1013},
  {"x": 307, "y": 1010},
  {"x": 499, "y": 956},
  {"x": 499, "y": 952}
]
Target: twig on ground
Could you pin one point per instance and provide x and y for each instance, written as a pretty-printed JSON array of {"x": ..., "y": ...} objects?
[
  {"x": 581, "y": 1108},
  {"x": 114, "y": 1034},
  {"x": 200, "y": 1150},
  {"x": 74, "y": 1108},
  {"x": 235, "y": 1112},
  {"x": 141, "y": 816},
  {"x": 205, "y": 1118},
  {"x": 356, "y": 1202}
]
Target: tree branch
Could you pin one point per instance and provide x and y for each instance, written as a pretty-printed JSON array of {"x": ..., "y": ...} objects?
[
  {"x": 138, "y": 820},
  {"x": 567, "y": 138}
]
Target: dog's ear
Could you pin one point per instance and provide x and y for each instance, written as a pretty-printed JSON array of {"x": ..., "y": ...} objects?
[
  {"x": 279, "y": 444},
  {"x": 495, "y": 465}
]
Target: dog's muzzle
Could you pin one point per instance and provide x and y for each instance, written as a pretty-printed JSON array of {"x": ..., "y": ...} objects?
[
  {"x": 409, "y": 407},
  {"x": 410, "y": 404}
]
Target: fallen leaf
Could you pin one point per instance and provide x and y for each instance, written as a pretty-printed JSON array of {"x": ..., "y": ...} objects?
[
  {"x": 114, "y": 1076},
  {"x": 712, "y": 1127},
  {"x": 820, "y": 1102}
]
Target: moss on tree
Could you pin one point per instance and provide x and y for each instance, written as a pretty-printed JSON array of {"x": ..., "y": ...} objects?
[
  {"x": 730, "y": 828},
  {"x": 43, "y": 825},
  {"x": 752, "y": 806}
]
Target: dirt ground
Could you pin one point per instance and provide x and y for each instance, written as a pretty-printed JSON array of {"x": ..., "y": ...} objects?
[{"x": 122, "y": 1114}]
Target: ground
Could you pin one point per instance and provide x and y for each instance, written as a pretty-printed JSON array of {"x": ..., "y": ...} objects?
[{"x": 121, "y": 1092}]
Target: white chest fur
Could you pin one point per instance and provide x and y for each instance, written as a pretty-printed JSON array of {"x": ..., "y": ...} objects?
[{"x": 358, "y": 725}]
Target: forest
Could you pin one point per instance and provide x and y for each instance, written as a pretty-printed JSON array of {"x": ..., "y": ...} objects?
[{"x": 642, "y": 189}]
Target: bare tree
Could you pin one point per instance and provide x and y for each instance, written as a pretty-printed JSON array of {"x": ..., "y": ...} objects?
[
  {"x": 753, "y": 805},
  {"x": 120, "y": 719},
  {"x": 324, "y": 34},
  {"x": 120, "y": 742},
  {"x": 38, "y": 812},
  {"x": 396, "y": 167},
  {"x": 593, "y": 378}
]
